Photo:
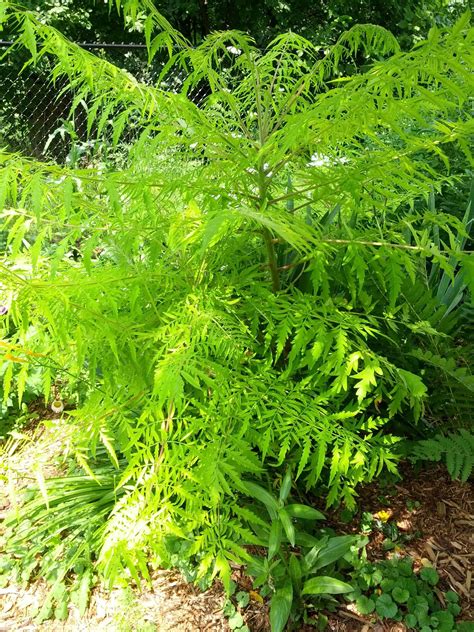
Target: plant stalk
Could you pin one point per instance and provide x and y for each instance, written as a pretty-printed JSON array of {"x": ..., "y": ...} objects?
[
  {"x": 272, "y": 260},
  {"x": 267, "y": 236}
]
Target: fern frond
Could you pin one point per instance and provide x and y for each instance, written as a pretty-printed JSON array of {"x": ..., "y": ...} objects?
[{"x": 456, "y": 449}]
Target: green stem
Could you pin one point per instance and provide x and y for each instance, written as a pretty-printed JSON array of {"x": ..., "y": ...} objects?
[
  {"x": 272, "y": 260},
  {"x": 267, "y": 236}
]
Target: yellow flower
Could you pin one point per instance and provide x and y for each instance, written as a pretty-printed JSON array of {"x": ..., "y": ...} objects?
[{"x": 383, "y": 515}]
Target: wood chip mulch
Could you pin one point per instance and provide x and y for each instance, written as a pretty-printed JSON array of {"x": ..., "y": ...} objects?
[{"x": 435, "y": 517}]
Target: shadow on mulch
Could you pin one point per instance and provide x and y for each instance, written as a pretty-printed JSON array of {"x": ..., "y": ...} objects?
[{"x": 432, "y": 518}]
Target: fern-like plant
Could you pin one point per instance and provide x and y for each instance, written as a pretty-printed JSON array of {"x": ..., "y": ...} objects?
[
  {"x": 231, "y": 299},
  {"x": 455, "y": 449}
]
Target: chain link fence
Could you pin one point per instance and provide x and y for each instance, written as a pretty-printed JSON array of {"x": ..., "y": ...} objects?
[{"x": 35, "y": 113}]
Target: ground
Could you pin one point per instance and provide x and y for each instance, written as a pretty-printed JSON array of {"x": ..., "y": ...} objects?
[
  {"x": 427, "y": 516},
  {"x": 434, "y": 517}
]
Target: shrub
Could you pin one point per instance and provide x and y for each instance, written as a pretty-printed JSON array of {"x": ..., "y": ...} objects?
[{"x": 234, "y": 298}]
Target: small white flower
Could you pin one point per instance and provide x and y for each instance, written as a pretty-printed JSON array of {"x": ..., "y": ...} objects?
[
  {"x": 57, "y": 406},
  {"x": 318, "y": 160},
  {"x": 234, "y": 50}
]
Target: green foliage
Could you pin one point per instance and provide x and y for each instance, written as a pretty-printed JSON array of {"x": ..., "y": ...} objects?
[
  {"x": 455, "y": 449},
  {"x": 395, "y": 591},
  {"x": 55, "y": 534},
  {"x": 20, "y": 383},
  {"x": 365, "y": 605},
  {"x": 292, "y": 575},
  {"x": 446, "y": 368},
  {"x": 82, "y": 20},
  {"x": 13, "y": 408},
  {"x": 450, "y": 285},
  {"x": 386, "y": 607},
  {"x": 231, "y": 295},
  {"x": 235, "y": 618}
]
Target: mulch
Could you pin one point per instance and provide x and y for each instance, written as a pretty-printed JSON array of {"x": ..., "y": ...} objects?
[{"x": 435, "y": 519}]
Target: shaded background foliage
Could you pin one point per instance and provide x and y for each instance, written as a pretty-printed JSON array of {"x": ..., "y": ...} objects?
[{"x": 321, "y": 22}]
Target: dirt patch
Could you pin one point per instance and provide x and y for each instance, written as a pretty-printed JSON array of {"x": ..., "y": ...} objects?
[{"x": 169, "y": 604}]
